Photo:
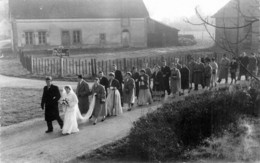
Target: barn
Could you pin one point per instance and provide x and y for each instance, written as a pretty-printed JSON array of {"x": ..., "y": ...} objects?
[{"x": 45, "y": 24}]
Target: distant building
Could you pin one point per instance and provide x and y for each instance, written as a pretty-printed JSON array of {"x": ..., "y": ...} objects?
[
  {"x": 231, "y": 16},
  {"x": 160, "y": 34},
  {"x": 44, "y": 24}
]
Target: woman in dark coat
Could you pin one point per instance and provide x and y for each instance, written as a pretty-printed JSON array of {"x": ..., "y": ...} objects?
[
  {"x": 128, "y": 92},
  {"x": 199, "y": 70},
  {"x": 191, "y": 66},
  {"x": 98, "y": 90},
  {"x": 233, "y": 70},
  {"x": 157, "y": 79},
  {"x": 185, "y": 77},
  {"x": 136, "y": 76}
]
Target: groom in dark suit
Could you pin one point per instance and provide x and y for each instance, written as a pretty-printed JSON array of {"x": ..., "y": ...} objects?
[
  {"x": 50, "y": 98},
  {"x": 83, "y": 92}
]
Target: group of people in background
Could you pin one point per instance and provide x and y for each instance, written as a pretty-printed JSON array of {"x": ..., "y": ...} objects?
[{"x": 142, "y": 87}]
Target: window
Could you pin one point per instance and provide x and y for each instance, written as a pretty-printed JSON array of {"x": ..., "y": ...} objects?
[
  {"x": 28, "y": 38},
  {"x": 102, "y": 37},
  {"x": 42, "y": 37},
  {"x": 76, "y": 37}
]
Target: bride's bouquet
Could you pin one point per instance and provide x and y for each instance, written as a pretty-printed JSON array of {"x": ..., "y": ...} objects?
[{"x": 65, "y": 102}]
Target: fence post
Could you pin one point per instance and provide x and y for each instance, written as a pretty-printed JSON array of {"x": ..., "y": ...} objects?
[
  {"x": 92, "y": 67},
  {"x": 61, "y": 66},
  {"x": 31, "y": 64}
]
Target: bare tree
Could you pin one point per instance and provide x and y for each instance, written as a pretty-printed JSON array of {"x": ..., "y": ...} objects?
[{"x": 224, "y": 42}]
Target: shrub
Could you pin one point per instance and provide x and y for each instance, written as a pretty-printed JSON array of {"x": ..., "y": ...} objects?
[{"x": 183, "y": 125}]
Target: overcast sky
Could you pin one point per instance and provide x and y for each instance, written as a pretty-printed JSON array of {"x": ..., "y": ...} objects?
[{"x": 174, "y": 9}]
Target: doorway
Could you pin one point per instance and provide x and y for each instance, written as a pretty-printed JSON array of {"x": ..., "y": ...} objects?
[{"x": 125, "y": 38}]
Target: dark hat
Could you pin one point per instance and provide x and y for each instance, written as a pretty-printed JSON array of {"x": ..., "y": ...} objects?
[
  {"x": 111, "y": 74},
  {"x": 129, "y": 73},
  {"x": 96, "y": 78},
  {"x": 80, "y": 76},
  {"x": 114, "y": 65},
  {"x": 48, "y": 78},
  {"x": 100, "y": 72}
]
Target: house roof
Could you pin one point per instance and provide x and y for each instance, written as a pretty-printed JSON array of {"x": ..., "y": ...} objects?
[
  {"x": 162, "y": 25},
  {"x": 77, "y": 9},
  {"x": 249, "y": 8}
]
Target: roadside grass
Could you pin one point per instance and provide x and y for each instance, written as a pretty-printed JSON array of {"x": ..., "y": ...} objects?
[
  {"x": 12, "y": 67},
  {"x": 19, "y": 104}
]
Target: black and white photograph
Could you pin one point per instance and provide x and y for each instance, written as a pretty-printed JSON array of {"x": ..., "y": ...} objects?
[{"x": 130, "y": 81}]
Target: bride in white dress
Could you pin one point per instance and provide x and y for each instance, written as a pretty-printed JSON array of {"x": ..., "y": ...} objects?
[{"x": 69, "y": 101}]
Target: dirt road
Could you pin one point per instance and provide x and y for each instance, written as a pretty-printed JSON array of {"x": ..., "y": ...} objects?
[{"x": 27, "y": 142}]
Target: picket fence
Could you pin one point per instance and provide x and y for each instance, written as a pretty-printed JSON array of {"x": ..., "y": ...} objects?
[{"x": 71, "y": 66}]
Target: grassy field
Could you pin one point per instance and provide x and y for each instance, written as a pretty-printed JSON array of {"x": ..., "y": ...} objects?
[{"x": 19, "y": 104}]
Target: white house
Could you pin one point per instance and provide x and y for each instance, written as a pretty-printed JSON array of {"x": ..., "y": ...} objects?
[{"x": 44, "y": 24}]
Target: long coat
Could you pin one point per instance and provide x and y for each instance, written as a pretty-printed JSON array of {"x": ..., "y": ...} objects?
[
  {"x": 224, "y": 66},
  {"x": 191, "y": 68},
  {"x": 83, "y": 92},
  {"x": 99, "y": 109},
  {"x": 119, "y": 78},
  {"x": 49, "y": 101},
  {"x": 166, "y": 71},
  {"x": 198, "y": 75},
  {"x": 157, "y": 81},
  {"x": 233, "y": 69},
  {"x": 252, "y": 66},
  {"x": 136, "y": 79},
  {"x": 185, "y": 77},
  {"x": 208, "y": 73},
  {"x": 129, "y": 90},
  {"x": 244, "y": 61},
  {"x": 175, "y": 80}
]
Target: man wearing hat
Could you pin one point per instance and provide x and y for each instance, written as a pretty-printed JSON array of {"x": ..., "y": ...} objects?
[
  {"x": 83, "y": 92},
  {"x": 128, "y": 91},
  {"x": 49, "y": 103}
]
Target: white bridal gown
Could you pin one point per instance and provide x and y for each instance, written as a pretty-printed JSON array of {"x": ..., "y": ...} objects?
[{"x": 72, "y": 113}]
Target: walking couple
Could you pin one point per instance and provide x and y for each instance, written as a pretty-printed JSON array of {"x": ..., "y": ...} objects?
[{"x": 69, "y": 101}]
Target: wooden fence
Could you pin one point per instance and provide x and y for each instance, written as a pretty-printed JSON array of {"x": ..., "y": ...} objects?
[{"x": 91, "y": 66}]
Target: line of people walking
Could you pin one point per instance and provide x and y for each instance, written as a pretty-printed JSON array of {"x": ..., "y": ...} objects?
[{"x": 109, "y": 94}]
